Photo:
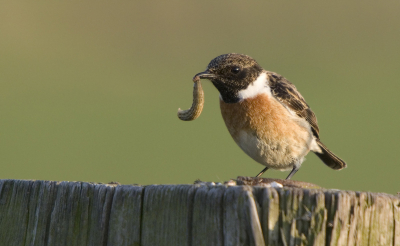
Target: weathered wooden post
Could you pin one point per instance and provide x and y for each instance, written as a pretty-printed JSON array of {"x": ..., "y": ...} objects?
[{"x": 78, "y": 213}]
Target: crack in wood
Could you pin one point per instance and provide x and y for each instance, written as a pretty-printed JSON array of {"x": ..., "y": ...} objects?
[{"x": 79, "y": 213}]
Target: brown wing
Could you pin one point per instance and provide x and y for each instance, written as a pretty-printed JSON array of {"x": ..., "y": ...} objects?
[{"x": 288, "y": 95}]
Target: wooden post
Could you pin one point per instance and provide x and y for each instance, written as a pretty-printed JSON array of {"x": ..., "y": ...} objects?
[{"x": 79, "y": 213}]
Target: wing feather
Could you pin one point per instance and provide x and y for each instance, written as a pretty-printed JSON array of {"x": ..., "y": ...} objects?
[{"x": 288, "y": 95}]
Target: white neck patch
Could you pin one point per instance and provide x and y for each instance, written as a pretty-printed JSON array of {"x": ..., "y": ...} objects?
[{"x": 259, "y": 86}]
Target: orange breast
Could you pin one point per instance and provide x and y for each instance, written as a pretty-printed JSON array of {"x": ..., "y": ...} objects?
[{"x": 262, "y": 115}]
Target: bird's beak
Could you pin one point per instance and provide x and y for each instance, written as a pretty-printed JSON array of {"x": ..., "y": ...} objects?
[{"x": 203, "y": 75}]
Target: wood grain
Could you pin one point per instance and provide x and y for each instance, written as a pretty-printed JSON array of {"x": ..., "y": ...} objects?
[{"x": 79, "y": 213}]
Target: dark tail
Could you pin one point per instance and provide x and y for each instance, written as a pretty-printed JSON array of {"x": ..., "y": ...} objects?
[{"x": 329, "y": 158}]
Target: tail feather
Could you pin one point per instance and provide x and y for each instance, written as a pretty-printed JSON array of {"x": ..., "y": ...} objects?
[{"x": 329, "y": 158}]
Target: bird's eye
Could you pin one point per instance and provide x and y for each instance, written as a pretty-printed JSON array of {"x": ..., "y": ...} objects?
[{"x": 235, "y": 70}]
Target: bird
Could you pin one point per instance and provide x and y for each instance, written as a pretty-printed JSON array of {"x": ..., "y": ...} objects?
[{"x": 266, "y": 115}]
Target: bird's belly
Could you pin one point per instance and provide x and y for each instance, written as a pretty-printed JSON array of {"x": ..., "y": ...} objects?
[
  {"x": 267, "y": 132},
  {"x": 281, "y": 155}
]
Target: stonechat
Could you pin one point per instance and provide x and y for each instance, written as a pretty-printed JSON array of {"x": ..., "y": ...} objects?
[{"x": 266, "y": 115}]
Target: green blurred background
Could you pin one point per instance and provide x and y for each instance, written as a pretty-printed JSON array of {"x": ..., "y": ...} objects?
[{"x": 90, "y": 90}]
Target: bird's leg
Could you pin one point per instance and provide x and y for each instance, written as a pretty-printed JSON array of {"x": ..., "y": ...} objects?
[
  {"x": 261, "y": 173},
  {"x": 294, "y": 170}
]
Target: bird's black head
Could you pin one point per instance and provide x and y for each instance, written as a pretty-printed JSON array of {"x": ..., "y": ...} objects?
[{"x": 231, "y": 73}]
